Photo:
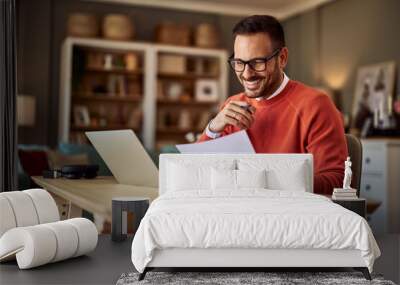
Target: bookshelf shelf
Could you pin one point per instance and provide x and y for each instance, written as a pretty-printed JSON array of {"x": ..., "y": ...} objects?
[
  {"x": 177, "y": 131},
  {"x": 186, "y": 103},
  {"x": 86, "y": 84},
  {"x": 186, "y": 76},
  {"x": 114, "y": 70},
  {"x": 104, "y": 97},
  {"x": 102, "y": 128}
]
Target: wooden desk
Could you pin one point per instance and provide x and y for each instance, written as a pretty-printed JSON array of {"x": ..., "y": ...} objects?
[{"x": 93, "y": 195}]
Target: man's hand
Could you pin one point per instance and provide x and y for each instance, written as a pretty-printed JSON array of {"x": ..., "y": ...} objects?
[{"x": 236, "y": 113}]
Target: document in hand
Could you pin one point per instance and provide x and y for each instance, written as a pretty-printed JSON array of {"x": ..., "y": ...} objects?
[{"x": 238, "y": 142}]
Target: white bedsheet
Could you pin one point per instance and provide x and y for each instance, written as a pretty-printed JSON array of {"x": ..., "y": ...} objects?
[{"x": 250, "y": 219}]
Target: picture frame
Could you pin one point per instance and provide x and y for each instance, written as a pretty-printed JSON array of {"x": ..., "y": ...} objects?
[
  {"x": 374, "y": 92},
  {"x": 206, "y": 90},
  {"x": 81, "y": 116}
]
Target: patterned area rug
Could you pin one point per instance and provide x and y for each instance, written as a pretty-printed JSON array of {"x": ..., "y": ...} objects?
[{"x": 242, "y": 278}]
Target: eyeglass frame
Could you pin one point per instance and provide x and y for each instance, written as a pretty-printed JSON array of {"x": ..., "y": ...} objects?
[{"x": 245, "y": 62}]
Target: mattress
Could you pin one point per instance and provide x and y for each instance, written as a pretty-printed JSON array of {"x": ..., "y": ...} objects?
[{"x": 251, "y": 219}]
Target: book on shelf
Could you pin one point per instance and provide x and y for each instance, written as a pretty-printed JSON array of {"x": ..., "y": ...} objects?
[
  {"x": 116, "y": 86},
  {"x": 121, "y": 86}
]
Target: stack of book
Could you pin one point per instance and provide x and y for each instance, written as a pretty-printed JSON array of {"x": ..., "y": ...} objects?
[{"x": 344, "y": 194}]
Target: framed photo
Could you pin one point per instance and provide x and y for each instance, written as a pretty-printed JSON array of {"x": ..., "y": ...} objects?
[
  {"x": 207, "y": 90},
  {"x": 81, "y": 116},
  {"x": 374, "y": 92}
]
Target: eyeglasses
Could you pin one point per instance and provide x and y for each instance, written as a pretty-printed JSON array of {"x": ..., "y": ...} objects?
[{"x": 257, "y": 64}]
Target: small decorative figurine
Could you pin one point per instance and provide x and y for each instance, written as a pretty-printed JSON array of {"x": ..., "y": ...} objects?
[
  {"x": 345, "y": 193},
  {"x": 347, "y": 174}
]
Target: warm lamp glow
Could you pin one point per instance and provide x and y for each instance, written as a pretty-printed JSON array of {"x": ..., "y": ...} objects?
[{"x": 335, "y": 77}]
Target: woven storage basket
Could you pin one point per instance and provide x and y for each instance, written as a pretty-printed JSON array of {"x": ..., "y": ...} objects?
[
  {"x": 206, "y": 35},
  {"x": 118, "y": 27},
  {"x": 82, "y": 25},
  {"x": 174, "y": 34},
  {"x": 172, "y": 64}
]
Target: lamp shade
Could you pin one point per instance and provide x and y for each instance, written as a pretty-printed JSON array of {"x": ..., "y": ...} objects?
[{"x": 26, "y": 110}]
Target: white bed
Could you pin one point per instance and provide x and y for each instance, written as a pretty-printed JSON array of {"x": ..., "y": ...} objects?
[{"x": 199, "y": 225}]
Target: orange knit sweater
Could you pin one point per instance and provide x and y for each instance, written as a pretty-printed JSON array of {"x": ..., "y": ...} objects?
[{"x": 299, "y": 120}]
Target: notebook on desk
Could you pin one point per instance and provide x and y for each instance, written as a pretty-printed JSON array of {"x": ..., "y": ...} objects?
[{"x": 125, "y": 157}]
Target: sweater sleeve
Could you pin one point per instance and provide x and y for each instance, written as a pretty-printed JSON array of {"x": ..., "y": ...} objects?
[
  {"x": 227, "y": 130},
  {"x": 325, "y": 139}
]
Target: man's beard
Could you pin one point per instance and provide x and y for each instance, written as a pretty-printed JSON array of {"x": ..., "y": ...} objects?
[
  {"x": 268, "y": 84},
  {"x": 258, "y": 92}
]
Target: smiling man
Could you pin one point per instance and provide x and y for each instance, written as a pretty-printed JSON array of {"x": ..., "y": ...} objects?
[{"x": 279, "y": 114}]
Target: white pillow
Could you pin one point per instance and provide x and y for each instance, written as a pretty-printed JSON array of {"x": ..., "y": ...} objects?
[
  {"x": 293, "y": 179},
  {"x": 282, "y": 174},
  {"x": 223, "y": 179},
  {"x": 237, "y": 179},
  {"x": 251, "y": 178},
  {"x": 183, "y": 175}
]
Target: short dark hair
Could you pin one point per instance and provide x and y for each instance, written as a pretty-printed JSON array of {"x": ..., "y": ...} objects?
[{"x": 262, "y": 24}]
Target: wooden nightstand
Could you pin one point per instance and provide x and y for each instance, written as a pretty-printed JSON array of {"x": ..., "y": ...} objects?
[{"x": 358, "y": 206}]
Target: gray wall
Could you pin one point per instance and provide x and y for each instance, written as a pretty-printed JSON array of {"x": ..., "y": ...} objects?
[
  {"x": 328, "y": 44},
  {"x": 42, "y": 29},
  {"x": 302, "y": 34}
]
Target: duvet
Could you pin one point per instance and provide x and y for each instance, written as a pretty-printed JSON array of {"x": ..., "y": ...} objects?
[{"x": 250, "y": 219}]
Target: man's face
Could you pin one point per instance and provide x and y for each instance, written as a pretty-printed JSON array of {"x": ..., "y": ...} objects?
[{"x": 257, "y": 83}]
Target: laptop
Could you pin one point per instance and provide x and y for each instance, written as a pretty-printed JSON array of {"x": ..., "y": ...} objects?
[{"x": 126, "y": 157}]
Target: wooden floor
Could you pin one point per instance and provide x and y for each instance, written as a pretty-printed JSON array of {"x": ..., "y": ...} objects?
[{"x": 110, "y": 260}]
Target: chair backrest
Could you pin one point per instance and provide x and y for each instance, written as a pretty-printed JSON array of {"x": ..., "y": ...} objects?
[{"x": 354, "y": 147}]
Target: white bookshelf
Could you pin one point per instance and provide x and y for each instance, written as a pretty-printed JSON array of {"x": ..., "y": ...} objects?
[{"x": 150, "y": 52}]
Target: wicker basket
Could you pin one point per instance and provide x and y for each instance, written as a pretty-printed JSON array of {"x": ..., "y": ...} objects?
[
  {"x": 206, "y": 36},
  {"x": 174, "y": 34},
  {"x": 172, "y": 64},
  {"x": 118, "y": 27},
  {"x": 82, "y": 25}
]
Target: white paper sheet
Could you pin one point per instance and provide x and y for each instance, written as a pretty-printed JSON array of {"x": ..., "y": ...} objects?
[{"x": 238, "y": 142}]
